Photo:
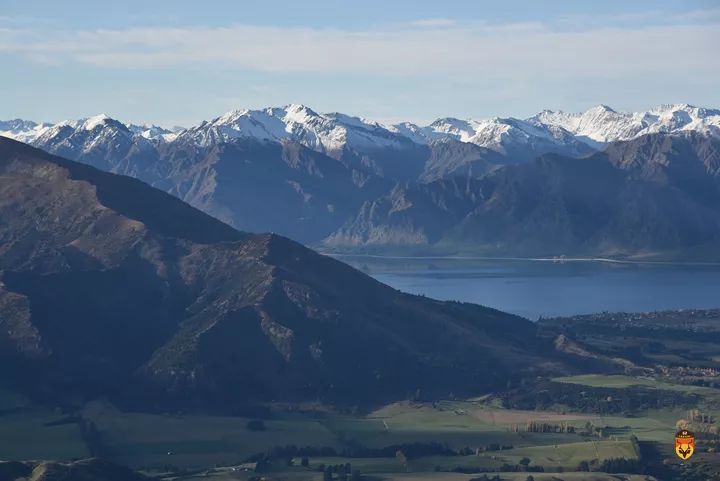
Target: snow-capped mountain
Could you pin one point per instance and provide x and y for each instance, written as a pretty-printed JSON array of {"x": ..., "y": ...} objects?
[
  {"x": 601, "y": 124},
  {"x": 32, "y": 132},
  {"x": 304, "y": 174},
  {"x": 154, "y": 132},
  {"x": 86, "y": 134},
  {"x": 333, "y": 133},
  {"x": 327, "y": 133},
  {"x": 22, "y": 130},
  {"x": 400, "y": 152},
  {"x": 517, "y": 139},
  {"x": 100, "y": 141}
]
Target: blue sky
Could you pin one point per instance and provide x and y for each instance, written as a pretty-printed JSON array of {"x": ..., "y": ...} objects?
[{"x": 181, "y": 62}]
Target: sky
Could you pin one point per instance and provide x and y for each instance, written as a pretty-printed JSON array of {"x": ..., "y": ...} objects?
[{"x": 178, "y": 63}]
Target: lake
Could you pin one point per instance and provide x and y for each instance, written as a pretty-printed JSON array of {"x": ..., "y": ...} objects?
[{"x": 540, "y": 288}]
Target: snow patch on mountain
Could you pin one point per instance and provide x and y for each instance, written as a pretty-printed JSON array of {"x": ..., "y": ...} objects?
[
  {"x": 154, "y": 132},
  {"x": 333, "y": 133},
  {"x": 601, "y": 124},
  {"x": 502, "y": 135},
  {"x": 22, "y": 130},
  {"x": 327, "y": 133}
]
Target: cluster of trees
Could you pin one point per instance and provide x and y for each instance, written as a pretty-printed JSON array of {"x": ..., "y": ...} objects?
[
  {"x": 468, "y": 451},
  {"x": 292, "y": 451},
  {"x": 522, "y": 466},
  {"x": 697, "y": 416},
  {"x": 539, "y": 427},
  {"x": 339, "y": 472},
  {"x": 599, "y": 431},
  {"x": 702, "y": 424},
  {"x": 411, "y": 450},
  {"x": 255, "y": 425},
  {"x": 620, "y": 465},
  {"x": 611, "y": 465},
  {"x": 404, "y": 452},
  {"x": 485, "y": 477},
  {"x": 597, "y": 400}
]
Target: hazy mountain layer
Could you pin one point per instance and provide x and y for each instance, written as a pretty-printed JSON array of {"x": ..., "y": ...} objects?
[{"x": 654, "y": 194}]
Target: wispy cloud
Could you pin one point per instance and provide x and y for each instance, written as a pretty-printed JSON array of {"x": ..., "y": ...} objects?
[
  {"x": 440, "y": 48},
  {"x": 419, "y": 70},
  {"x": 433, "y": 22},
  {"x": 637, "y": 19}
]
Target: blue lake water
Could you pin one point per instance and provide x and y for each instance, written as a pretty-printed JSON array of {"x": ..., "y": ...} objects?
[{"x": 533, "y": 289}]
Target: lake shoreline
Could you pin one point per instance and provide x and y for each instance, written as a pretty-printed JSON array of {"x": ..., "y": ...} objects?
[
  {"x": 558, "y": 260},
  {"x": 549, "y": 287}
]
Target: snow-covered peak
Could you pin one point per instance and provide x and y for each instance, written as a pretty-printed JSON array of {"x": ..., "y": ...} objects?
[
  {"x": 87, "y": 136},
  {"x": 333, "y": 133},
  {"x": 22, "y": 130},
  {"x": 462, "y": 130},
  {"x": 503, "y": 134},
  {"x": 695, "y": 112},
  {"x": 601, "y": 109},
  {"x": 299, "y": 113},
  {"x": 409, "y": 130},
  {"x": 328, "y": 133},
  {"x": 17, "y": 125},
  {"x": 88, "y": 123},
  {"x": 601, "y": 124},
  {"x": 96, "y": 121},
  {"x": 154, "y": 132},
  {"x": 85, "y": 130}
]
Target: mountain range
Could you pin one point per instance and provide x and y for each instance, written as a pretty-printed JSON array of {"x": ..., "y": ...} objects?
[
  {"x": 348, "y": 183},
  {"x": 653, "y": 194},
  {"x": 335, "y": 133},
  {"x": 109, "y": 287}
]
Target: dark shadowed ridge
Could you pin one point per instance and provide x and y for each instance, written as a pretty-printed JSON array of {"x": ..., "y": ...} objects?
[{"x": 130, "y": 197}]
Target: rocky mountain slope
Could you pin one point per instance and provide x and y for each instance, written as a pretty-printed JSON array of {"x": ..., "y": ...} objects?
[
  {"x": 112, "y": 288},
  {"x": 264, "y": 186},
  {"x": 657, "y": 193}
]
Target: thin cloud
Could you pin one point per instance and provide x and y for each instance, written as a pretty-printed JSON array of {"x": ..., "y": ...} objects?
[
  {"x": 433, "y": 22},
  {"x": 440, "y": 49},
  {"x": 471, "y": 59}
]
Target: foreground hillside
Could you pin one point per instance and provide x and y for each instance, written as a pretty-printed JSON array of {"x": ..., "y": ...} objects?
[
  {"x": 83, "y": 470},
  {"x": 110, "y": 287},
  {"x": 613, "y": 424}
]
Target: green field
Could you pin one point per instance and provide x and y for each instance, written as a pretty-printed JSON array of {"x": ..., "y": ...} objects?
[
  {"x": 567, "y": 455},
  {"x": 224, "y": 475},
  {"x": 201, "y": 442},
  {"x": 194, "y": 441},
  {"x": 457, "y": 424},
  {"x": 567, "y": 476},
  {"x": 197, "y": 441},
  {"x": 621, "y": 381}
]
